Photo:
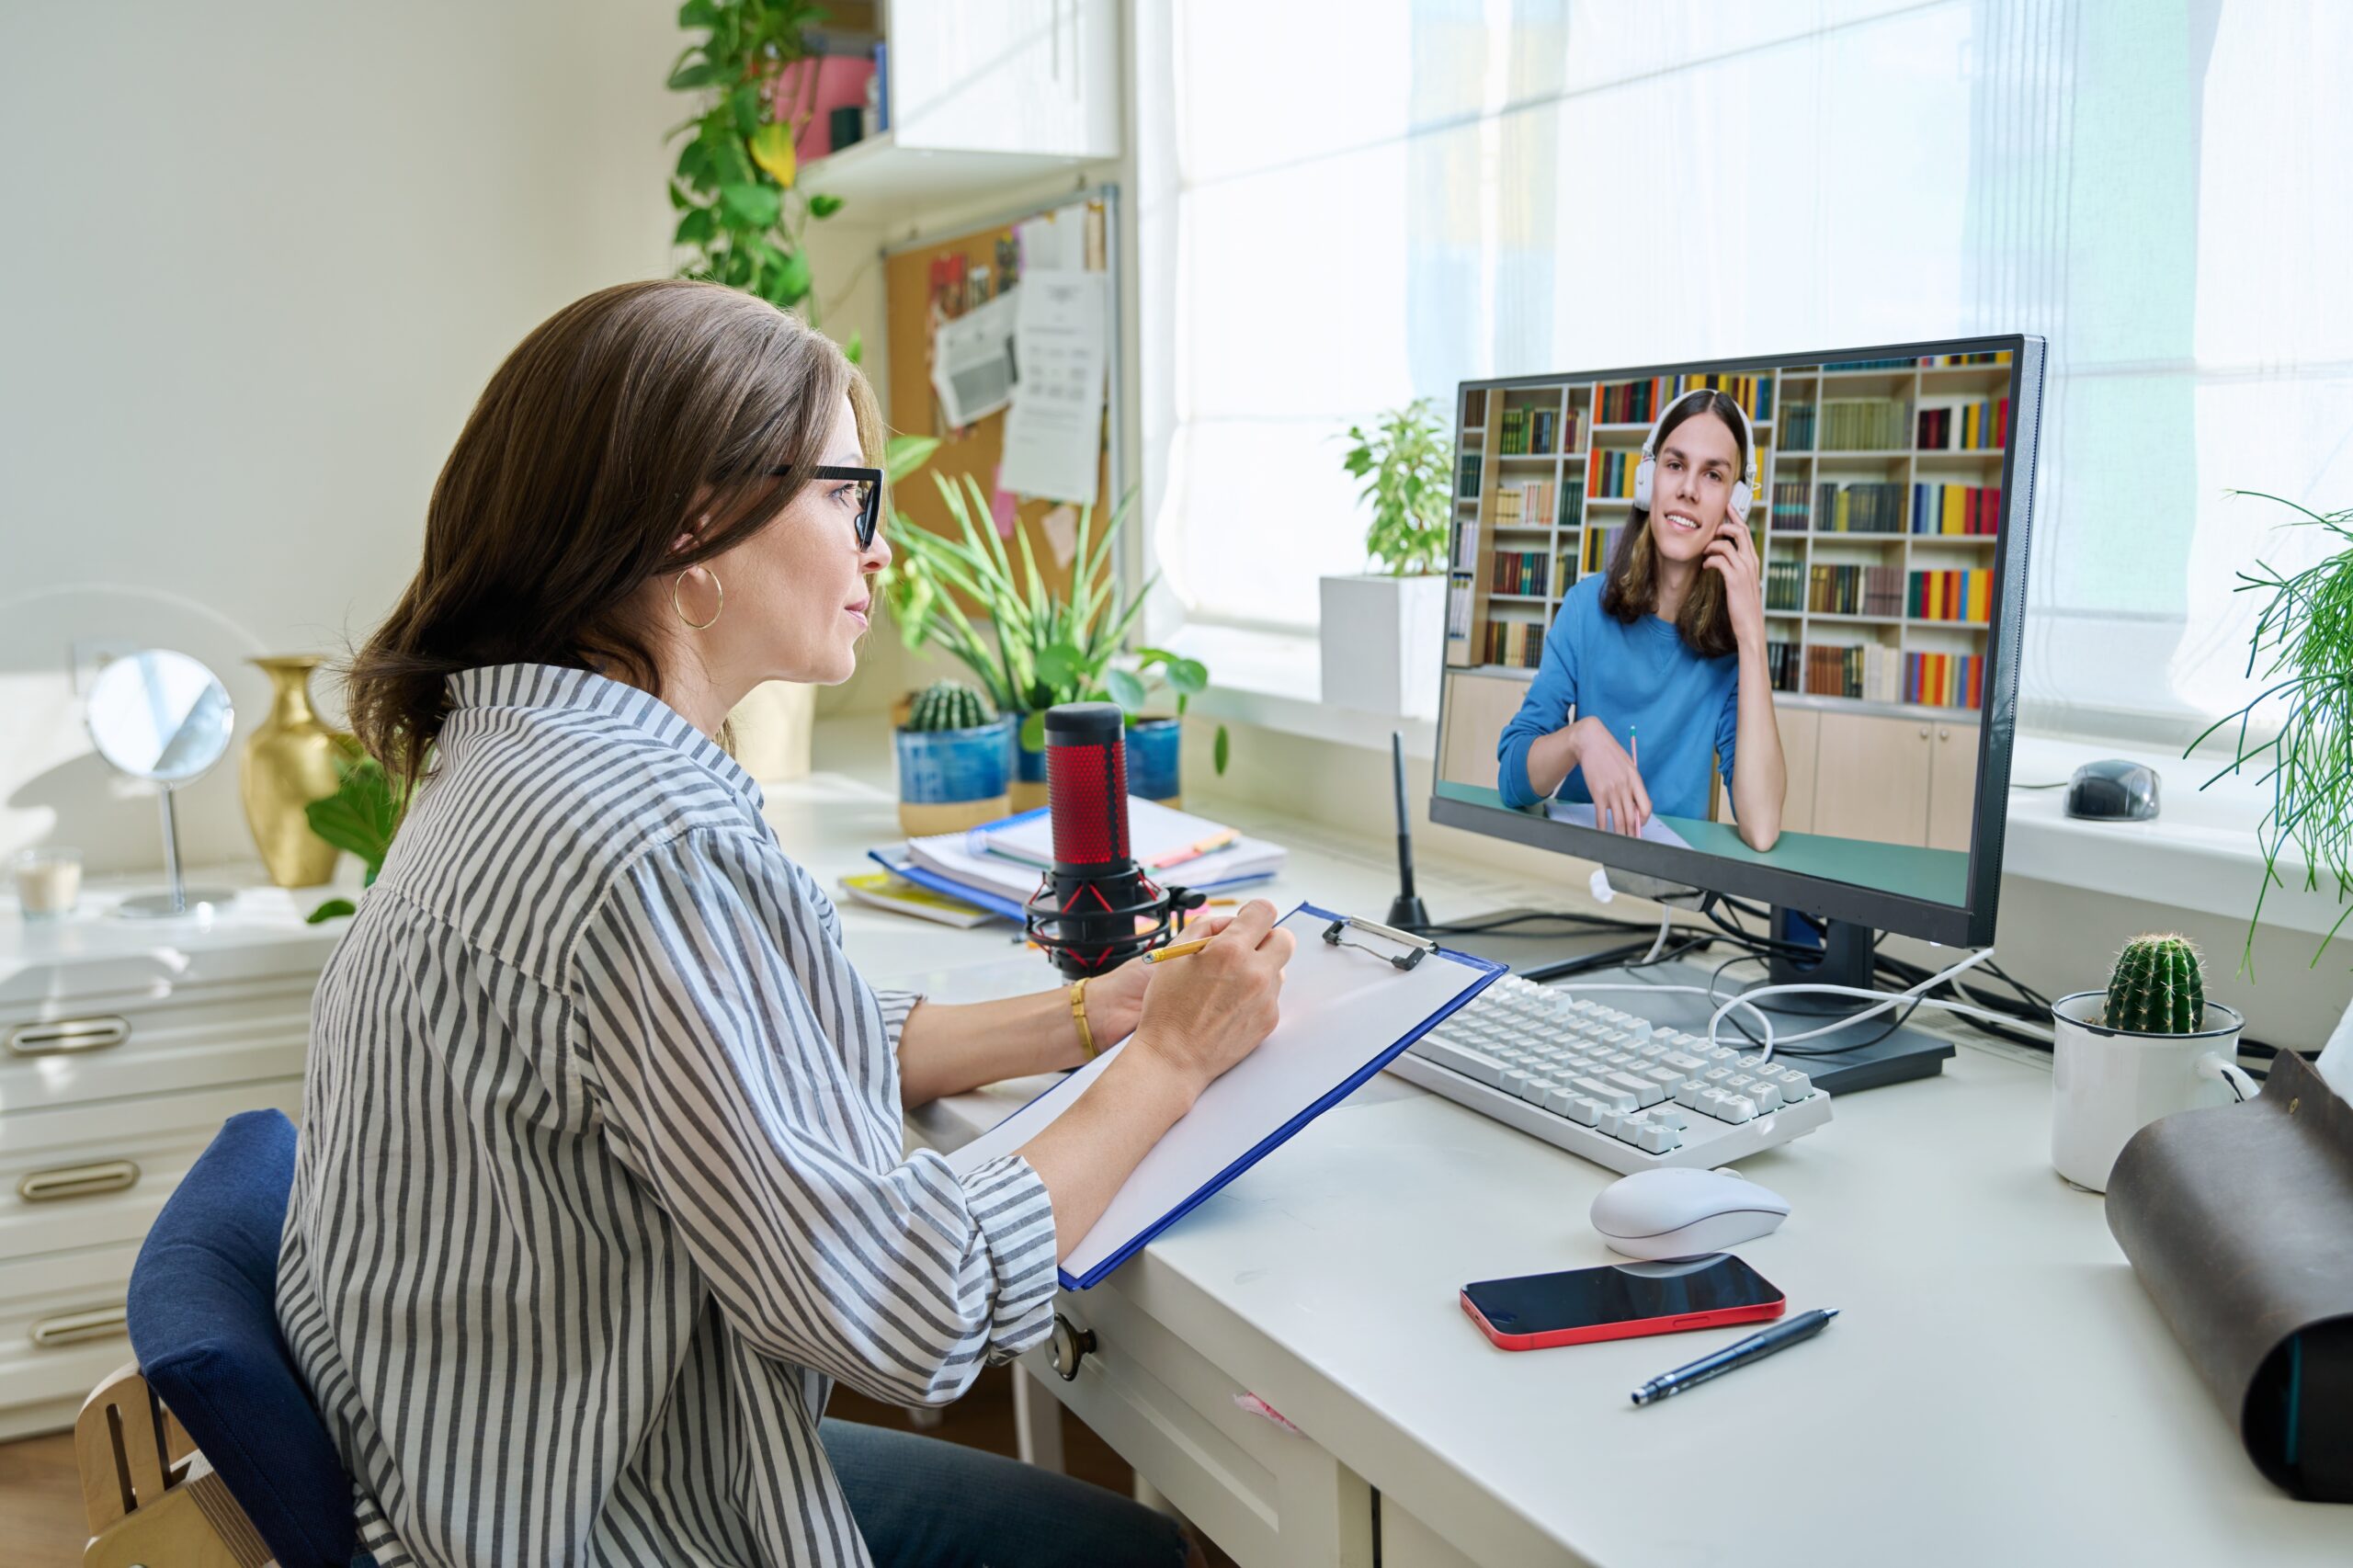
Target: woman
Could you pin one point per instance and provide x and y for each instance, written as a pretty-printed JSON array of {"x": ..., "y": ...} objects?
[
  {"x": 1663, "y": 656},
  {"x": 601, "y": 1186}
]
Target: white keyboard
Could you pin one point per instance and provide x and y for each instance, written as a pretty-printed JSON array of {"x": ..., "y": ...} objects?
[{"x": 1606, "y": 1085}]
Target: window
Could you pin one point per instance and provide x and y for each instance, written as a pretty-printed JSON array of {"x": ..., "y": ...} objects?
[{"x": 1341, "y": 209}]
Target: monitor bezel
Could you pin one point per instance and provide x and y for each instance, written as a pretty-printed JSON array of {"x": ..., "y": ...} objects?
[{"x": 1971, "y": 925}]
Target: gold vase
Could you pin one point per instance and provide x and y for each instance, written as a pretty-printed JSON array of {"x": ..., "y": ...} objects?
[{"x": 287, "y": 763}]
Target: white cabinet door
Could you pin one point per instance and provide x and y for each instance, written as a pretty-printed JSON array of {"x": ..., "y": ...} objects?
[{"x": 1006, "y": 76}]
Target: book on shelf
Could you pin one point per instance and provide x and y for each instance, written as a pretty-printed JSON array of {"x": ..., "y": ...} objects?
[
  {"x": 1464, "y": 557},
  {"x": 1796, "y": 428},
  {"x": 1865, "y": 672},
  {"x": 1962, "y": 597},
  {"x": 1632, "y": 403},
  {"x": 1600, "y": 543},
  {"x": 1872, "y": 365},
  {"x": 1865, "y": 507},
  {"x": 1565, "y": 569},
  {"x": 1855, "y": 590},
  {"x": 1754, "y": 393},
  {"x": 1466, "y": 483},
  {"x": 1945, "y": 680},
  {"x": 1520, "y": 572},
  {"x": 1949, "y": 361},
  {"x": 1781, "y": 661},
  {"x": 1571, "y": 505},
  {"x": 1956, "y": 508},
  {"x": 1789, "y": 509},
  {"x": 1966, "y": 427},
  {"x": 1610, "y": 473},
  {"x": 1516, "y": 644},
  {"x": 1460, "y": 599},
  {"x": 1527, "y": 505},
  {"x": 1474, "y": 408},
  {"x": 1865, "y": 424},
  {"x": 1784, "y": 579}
]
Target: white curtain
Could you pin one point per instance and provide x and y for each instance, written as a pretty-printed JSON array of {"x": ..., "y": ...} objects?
[{"x": 1344, "y": 206}]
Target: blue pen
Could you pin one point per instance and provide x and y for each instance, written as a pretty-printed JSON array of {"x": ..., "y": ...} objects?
[{"x": 1755, "y": 1348}]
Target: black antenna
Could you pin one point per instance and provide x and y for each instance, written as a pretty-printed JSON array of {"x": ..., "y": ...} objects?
[{"x": 1405, "y": 910}]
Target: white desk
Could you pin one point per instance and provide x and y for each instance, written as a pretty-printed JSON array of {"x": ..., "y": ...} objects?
[{"x": 1999, "y": 1389}]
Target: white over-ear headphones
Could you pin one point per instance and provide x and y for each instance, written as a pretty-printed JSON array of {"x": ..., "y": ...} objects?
[{"x": 1744, "y": 493}]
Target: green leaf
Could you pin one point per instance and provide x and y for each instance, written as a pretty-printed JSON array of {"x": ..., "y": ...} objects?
[
  {"x": 1125, "y": 690},
  {"x": 792, "y": 279},
  {"x": 1033, "y": 733},
  {"x": 1222, "y": 750},
  {"x": 744, "y": 104},
  {"x": 1058, "y": 664},
  {"x": 694, "y": 74},
  {"x": 1188, "y": 675},
  {"x": 755, "y": 205},
  {"x": 855, "y": 350},
  {"x": 824, "y": 206},
  {"x": 902, "y": 455},
  {"x": 698, "y": 13},
  {"x": 696, "y": 228},
  {"x": 333, "y": 908}
]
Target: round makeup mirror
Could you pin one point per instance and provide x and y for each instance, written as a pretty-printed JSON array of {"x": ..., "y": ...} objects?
[{"x": 165, "y": 717}]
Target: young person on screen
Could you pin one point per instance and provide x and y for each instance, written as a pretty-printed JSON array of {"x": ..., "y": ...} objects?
[{"x": 1661, "y": 659}]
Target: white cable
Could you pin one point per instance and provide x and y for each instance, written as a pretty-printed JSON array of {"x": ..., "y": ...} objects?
[
  {"x": 1885, "y": 999},
  {"x": 1666, "y": 918}
]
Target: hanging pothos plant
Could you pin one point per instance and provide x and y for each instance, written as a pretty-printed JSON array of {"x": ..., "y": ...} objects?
[{"x": 742, "y": 208}]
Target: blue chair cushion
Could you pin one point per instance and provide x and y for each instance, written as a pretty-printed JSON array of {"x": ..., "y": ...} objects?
[{"x": 203, "y": 1318}]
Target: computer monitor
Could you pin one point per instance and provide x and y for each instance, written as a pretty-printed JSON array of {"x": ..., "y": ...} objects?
[{"x": 1886, "y": 549}]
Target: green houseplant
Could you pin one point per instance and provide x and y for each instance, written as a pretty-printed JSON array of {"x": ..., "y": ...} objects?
[
  {"x": 361, "y": 816},
  {"x": 1383, "y": 629},
  {"x": 741, "y": 208},
  {"x": 1039, "y": 648}
]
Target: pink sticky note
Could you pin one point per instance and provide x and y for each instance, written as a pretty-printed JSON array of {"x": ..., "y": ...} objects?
[{"x": 1003, "y": 506}]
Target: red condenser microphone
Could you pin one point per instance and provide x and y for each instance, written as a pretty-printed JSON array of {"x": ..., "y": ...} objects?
[{"x": 1096, "y": 908}]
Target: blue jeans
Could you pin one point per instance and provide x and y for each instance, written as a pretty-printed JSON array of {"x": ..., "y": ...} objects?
[{"x": 925, "y": 1503}]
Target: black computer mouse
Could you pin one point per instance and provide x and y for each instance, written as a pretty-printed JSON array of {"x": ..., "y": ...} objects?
[{"x": 2112, "y": 790}]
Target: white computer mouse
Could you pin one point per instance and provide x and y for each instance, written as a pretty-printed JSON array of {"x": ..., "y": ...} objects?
[{"x": 1670, "y": 1213}]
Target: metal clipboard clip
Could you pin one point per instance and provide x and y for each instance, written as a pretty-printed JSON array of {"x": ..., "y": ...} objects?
[{"x": 1417, "y": 948}]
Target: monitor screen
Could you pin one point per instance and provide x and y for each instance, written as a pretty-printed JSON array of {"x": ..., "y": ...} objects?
[{"x": 1748, "y": 625}]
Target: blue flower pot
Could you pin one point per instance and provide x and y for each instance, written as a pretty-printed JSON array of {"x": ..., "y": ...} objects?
[
  {"x": 952, "y": 780},
  {"x": 1155, "y": 758}
]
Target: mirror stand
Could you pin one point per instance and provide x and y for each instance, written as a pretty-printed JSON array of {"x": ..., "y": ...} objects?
[{"x": 177, "y": 898}]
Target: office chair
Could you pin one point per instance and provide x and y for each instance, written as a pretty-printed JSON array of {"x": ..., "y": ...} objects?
[{"x": 207, "y": 1451}]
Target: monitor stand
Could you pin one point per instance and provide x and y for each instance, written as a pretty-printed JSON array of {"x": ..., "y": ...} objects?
[{"x": 1866, "y": 1063}]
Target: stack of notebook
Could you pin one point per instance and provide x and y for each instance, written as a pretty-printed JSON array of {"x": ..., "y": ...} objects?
[{"x": 998, "y": 866}]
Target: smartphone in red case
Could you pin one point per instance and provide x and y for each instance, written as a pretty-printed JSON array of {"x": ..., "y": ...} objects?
[{"x": 1621, "y": 1301}]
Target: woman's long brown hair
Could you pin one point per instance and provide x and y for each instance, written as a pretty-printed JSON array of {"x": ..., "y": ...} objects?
[
  {"x": 641, "y": 411},
  {"x": 1630, "y": 591}
]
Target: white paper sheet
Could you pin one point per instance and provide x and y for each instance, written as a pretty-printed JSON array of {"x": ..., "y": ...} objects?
[
  {"x": 971, "y": 359},
  {"x": 1342, "y": 1008},
  {"x": 1581, "y": 814},
  {"x": 1054, "y": 437},
  {"x": 1054, "y": 242}
]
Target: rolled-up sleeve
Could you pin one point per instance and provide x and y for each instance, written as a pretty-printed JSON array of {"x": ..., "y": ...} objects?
[{"x": 755, "y": 1132}]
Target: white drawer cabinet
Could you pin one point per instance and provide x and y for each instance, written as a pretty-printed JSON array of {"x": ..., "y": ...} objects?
[{"x": 123, "y": 1047}]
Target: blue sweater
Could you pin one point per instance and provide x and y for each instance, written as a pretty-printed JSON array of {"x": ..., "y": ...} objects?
[{"x": 1638, "y": 679}]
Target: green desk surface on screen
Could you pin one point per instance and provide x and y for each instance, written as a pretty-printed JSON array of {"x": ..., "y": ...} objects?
[{"x": 1941, "y": 876}]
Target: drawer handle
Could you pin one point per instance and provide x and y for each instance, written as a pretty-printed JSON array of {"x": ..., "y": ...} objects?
[
  {"x": 77, "y": 1181},
  {"x": 72, "y": 1328},
  {"x": 67, "y": 1035},
  {"x": 1067, "y": 1346}
]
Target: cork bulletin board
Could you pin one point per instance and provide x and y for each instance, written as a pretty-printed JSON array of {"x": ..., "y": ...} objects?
[{"x": 923, "y": 284}]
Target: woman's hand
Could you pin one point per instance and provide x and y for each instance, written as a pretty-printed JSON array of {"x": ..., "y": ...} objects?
[
  {"x": 1732, "y": 555},
  {"x": 1115, "y": 1001},
  {"x": 1620, "y": 804},
  {"x": 1203, "y": 1013}
]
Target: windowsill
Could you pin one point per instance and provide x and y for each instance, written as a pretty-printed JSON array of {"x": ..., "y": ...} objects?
[{"x": 2201, "y": 853}]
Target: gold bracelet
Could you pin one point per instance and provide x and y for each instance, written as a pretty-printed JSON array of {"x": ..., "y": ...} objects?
[{"x": 1078, "y": 1017}]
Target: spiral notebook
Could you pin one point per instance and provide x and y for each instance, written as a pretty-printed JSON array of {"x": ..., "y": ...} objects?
[{"x": 1349, "y": 1005}]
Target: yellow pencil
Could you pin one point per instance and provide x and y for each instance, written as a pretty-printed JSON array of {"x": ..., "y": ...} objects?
[{"x": 1178, "y": 950}]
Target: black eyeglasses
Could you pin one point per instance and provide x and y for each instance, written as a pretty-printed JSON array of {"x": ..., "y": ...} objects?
[{"x": 868, "y": 483}]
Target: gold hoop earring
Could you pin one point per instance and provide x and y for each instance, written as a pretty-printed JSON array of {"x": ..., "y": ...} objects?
[{"x": 699, "y": 625}]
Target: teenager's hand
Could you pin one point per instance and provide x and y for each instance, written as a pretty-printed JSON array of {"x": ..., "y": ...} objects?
[
  {"x": 1732, "y": 555},
  {"x": 1620, "y": 804}
]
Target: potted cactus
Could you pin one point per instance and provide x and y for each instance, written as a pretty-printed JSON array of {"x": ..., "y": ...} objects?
[
  {"x": 955, "y": 756},
  {"x": 2149, "y": 1045}
]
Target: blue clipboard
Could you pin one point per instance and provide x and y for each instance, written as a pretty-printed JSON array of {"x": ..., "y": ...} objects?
[{"x": 1486, "y": 974}]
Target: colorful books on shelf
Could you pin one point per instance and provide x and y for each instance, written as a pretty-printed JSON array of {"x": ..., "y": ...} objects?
[
  {"x": 1754, "y": 393},
  {"x": 1598, "y": 544},
  {"x": 1527, "y": 505},
  {"x": 1966, "y": 427},
  {"x": 1474, "y": 408},
  {"x": 1571, "y": 505},
  {"x": 1865, "y": 672},
  {"x": 1865, "y": 424},
  {"x": 1611, "y": 473},
  {"x": 1460, "y": 597},
  {"x": 1789, "y": 508},
  {"x": 1945, "y": 680},
  {"x": 1465, "y": 554},
  {"x": 1466, "y": 481},
  {"x": 1632, "y": 403},
  {"x": 1518, "y": 643},
  {"x": 1781, "y": 660},
  {"x": 1947, "y": 361},
  {"x": 1521, "y": 572},
  {"x": 1872, "y": 507},
  {"x": 1956, "y": 508},
  {"x": 1784, "y": 582},
  {"x": 1513, "y": 439},
  {"x": 1855, "y": 590},
  {"x": 1538, "y": 432},
  {"x": 1796, "y": 428},
  {"x": 1961, "y": 596}
]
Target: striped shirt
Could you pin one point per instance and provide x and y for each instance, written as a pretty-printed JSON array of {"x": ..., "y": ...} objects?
[{"x": 601, "y": 1184}]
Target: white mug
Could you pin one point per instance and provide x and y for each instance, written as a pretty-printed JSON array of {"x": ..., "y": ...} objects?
[{"x": 2108, "y": 1084}]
